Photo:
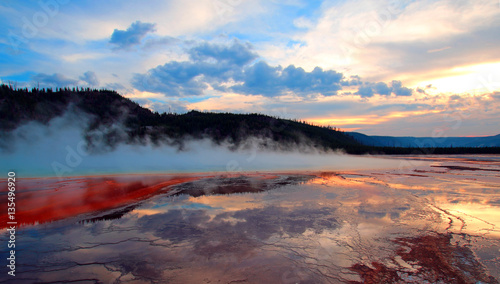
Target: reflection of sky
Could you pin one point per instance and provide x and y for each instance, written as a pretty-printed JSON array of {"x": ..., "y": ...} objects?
[
  {"x": 300, "y": 227},
  {"x": 466, "y": 187}
]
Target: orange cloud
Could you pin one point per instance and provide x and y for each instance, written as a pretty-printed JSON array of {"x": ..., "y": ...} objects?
[
  {"x": 367, "y": 119},
  {"x": 230, "y": 102}
]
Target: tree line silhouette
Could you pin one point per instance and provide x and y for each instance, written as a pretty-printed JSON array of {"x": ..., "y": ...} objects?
[{"x": 106, "y": 108}]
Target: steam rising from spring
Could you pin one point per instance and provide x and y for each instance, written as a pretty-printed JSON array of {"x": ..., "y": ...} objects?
[{"x": 60, "y": 148}]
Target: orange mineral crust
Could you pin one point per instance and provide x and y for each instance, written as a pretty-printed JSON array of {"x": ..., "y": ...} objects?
[
  {"x": 423, "y": 222},
  {"x": 429, "y": 259},
  {"x": 40, "y": 200}
]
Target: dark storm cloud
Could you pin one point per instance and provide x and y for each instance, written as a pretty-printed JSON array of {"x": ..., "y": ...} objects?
[
  {"x": 365, "y": 91},
  {"x": 214, "y": 65},
  {"x": 210, "y": 64},
  {"x": 90, "y": 78},
  {"x": 399, "y": 90},
  {"x": 381, "y": 88},
  {"x": 263, "y": 79},
  {"x": 352, "y": 81},
  {"x": 179, "y": 79},
  {"x": 132, "y": 36},
  {"x": 238, "y": 54},
  {"x": 54, "y": 80},
  {"x": 160, "y": 43}
]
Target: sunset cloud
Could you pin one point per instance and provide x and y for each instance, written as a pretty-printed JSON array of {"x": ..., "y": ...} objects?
[{"x": 375, "y": 66}]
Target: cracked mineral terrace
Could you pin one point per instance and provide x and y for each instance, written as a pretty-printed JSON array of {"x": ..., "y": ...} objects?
[{"x": 433, "y": 220}]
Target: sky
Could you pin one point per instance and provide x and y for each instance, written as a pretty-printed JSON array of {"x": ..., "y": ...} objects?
[{"x": 400, "y": 68}]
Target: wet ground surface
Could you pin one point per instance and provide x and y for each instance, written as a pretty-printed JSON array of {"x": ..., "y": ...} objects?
[{"x": 432, "y": 220}]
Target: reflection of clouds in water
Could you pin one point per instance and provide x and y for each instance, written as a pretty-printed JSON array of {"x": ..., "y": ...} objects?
[
  {"x": 138, "y": 268},
  {"x": 222, "y": 234},
  {"x": 300, "y": 231},
  {"x": 239, "y": 184},
  {"x": 379, "y": 211},
  {"x": 175, "y": 225},
  {"x": 262, "y": 223}
]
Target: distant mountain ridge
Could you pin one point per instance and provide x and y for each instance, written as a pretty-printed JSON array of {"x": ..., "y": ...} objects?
[{"x": 427, "y": 142}]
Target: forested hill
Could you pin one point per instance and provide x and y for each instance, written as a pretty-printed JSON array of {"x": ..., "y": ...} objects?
[
  {"x": 121, "y": 120},
  {"x": 109, "y": 119}
]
